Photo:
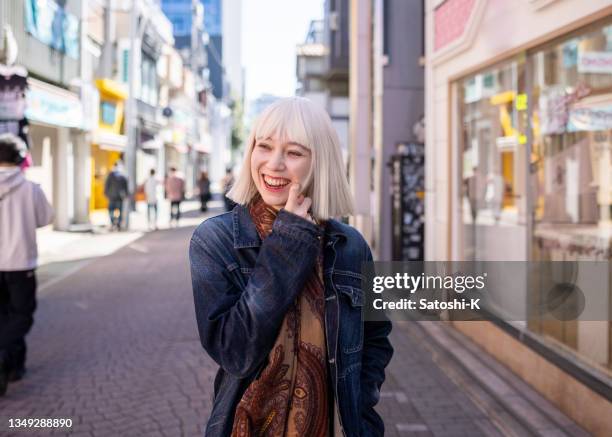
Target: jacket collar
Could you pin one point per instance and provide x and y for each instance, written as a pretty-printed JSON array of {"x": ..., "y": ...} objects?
[{"x": 245, "y": 232}]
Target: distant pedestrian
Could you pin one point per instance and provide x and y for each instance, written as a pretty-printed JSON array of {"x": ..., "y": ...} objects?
[
  {"x": 175, "y": 190},
  {"x": 204, "y": 189},
  {"x": 116, "y": 191},
  {"x": 23, "y": 208},
  {"x": 226, "y": 184},
  {"x": 151, "y": 190}
]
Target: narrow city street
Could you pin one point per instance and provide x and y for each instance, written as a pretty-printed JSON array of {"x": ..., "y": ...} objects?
[{"x": 115, "y": 348}]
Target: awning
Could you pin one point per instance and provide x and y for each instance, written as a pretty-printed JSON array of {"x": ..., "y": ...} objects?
[
  {"x": 181, "y": 148},
  {"x": 109, "y": 141},
  {"x": 112, "y": 88},
  {"x": 152, "y": 144},
  {"x": 201, "y": 147}
]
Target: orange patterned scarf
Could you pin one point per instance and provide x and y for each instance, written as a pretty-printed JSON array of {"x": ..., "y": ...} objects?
[{"x": 290, "y": 397}]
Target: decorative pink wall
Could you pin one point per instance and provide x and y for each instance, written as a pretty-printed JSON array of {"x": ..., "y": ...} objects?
[{"x": 450, "y": 20}]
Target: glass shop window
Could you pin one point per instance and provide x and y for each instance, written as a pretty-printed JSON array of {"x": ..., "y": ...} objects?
[
  {"x": 493, "y": 120},
  {"x": 571, "y": 172}
]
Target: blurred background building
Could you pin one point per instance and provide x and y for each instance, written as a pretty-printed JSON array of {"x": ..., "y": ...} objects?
[{"x": 143, "y": 82}]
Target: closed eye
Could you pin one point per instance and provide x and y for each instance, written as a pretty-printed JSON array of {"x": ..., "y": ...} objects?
[
  {"x": 263, "y": 146},
  {"x": 295, "y": 153}
]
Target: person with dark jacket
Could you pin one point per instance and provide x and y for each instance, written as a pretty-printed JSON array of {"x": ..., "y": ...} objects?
[
  {"x": 116, "y": 190},
  {"x": 278, "y": 294},
  {"x": 204, "y": 189},
  {"x": 23, "y": 208},
  {"x": 226, "y": 185}
]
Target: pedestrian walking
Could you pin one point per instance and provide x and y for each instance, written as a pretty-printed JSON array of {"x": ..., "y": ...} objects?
[
  {"x": 151, "y": 190},
  {"x": 204, "y": 190},
  {"x": 116, "y": 190},
  {"x": 226, "y": 184},
  {"x": 278, "y": 294},
  {"x": 175, "y": 190},
  {"x": 23, "y": 208}
]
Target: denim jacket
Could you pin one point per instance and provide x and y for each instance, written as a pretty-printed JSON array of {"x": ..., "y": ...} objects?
[{"x": 242, "y": 289}]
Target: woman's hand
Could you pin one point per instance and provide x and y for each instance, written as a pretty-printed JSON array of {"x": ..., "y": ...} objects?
[{"x": 298, "y": 204}]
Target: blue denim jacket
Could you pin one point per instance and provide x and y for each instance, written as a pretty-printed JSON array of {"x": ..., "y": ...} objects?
[{"x": 242, "y": 289}]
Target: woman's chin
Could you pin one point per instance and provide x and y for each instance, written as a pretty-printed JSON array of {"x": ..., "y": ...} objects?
[{"x": 276, "y": 202}]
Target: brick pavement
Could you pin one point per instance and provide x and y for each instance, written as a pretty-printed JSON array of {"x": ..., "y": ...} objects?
[{"x": 115, "y": 349}]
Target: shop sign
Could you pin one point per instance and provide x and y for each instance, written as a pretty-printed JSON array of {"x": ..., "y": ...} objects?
[
  {"x": 49, "y": 23},
  {"x": 59, "y": 108},
  {"x": 590, "y": 118},
  {"x": 595, "y": 62},
  {"x": 554, "y": 107}
]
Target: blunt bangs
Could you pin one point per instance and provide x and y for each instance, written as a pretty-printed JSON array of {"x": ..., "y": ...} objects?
[{"x": 284, "y": 122}]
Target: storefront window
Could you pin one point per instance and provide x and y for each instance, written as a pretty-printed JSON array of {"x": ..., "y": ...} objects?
[
  {"x": 555, "y": 105},
  {"x": 571, "y": 170},
  {"x": 493, "y": 115},
  {"x": 107, "y": 113}
]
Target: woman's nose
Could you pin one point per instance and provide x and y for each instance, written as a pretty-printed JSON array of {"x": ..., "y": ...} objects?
[{"x": 277, "y": 161}]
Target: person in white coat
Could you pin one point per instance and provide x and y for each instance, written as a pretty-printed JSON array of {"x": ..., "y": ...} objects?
[
  {"x": 23, "y": 208},
  {"x": 152, "y": 188}
]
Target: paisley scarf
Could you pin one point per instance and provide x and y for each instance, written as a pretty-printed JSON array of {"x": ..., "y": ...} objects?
[{"x": 290, "y": 397}]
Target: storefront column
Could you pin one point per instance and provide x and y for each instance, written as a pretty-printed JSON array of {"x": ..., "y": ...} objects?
[
  {"x": 82, "y": 178},
  {"x": 63, "y": 179}
]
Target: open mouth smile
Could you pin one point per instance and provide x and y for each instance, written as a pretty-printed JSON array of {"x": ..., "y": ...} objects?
[{"x": 274, "y": 184}]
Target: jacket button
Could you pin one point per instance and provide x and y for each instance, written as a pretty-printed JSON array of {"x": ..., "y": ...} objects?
[{"x": 332, "y": 360}]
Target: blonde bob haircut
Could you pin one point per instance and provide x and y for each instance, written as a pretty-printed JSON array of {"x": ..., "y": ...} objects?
[{"x": 297, "y": 119}]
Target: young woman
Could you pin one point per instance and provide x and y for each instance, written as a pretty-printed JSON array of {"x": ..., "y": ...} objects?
[{"x": 277, "y": 289}]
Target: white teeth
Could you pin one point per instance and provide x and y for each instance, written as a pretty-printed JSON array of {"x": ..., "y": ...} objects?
[{"x": 275, "y": 182}]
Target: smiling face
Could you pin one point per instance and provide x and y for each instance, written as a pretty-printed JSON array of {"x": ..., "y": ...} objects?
[{"x": 275, "y": 164}]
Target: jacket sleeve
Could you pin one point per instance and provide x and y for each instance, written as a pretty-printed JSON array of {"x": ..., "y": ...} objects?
[
  {"x": 42, "y": 209},
  {"x": 377, "y": 352},
  {"x": 107, "y": 183},
  {"x": 125, "y": 190},
  {"x": 238, "y": 327}
]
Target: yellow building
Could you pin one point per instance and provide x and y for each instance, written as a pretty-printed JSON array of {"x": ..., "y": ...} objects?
[{"x": 108, "y": 141}]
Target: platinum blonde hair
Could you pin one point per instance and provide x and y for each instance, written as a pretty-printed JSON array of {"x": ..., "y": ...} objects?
[{"x": 300, "y": 120}]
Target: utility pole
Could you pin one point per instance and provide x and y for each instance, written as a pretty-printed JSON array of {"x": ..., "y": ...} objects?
[
  {"x": 137, "y": 29},
  {"x": 197, "y": 15},
  {"x": 359, "y": 120},
  {"x": 130, "y": 114}
]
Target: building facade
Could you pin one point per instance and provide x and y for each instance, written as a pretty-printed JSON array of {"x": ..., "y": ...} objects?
[
  {"x": 518, "y": 134},
  {"x": 54, "y": 108}
]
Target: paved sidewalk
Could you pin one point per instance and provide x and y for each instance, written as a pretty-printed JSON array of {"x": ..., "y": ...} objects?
[
  {"x": 63, "y": 253},
  {"x": 439, "y": 383}
]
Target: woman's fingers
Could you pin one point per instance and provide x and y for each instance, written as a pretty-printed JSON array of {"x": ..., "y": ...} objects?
[
  {"x": 304, "y": 207},
  {"x": 297, "y": 203},
  {"x": 294, "y": 192}
]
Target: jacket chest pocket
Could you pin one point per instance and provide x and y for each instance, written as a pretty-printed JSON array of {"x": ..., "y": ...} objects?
[
  {"x": 241, "y": 275},
  {"x": 351, "y": 318}
]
